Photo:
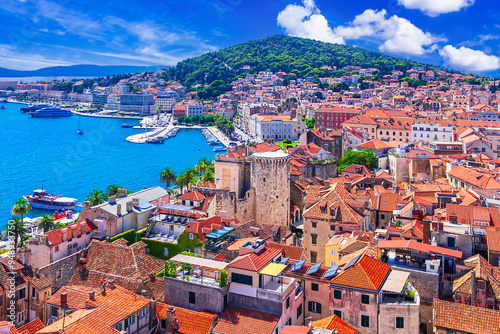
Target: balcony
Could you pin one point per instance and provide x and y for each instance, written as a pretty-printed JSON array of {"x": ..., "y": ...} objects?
[{"x": 276, "y": 291}]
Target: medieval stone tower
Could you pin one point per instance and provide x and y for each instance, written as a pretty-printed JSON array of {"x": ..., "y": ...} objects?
[{"x": 270, "y": 177}]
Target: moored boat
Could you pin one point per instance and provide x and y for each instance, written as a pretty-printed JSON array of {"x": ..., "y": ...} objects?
[
  {"x": 51, "y": 112},
  {"x": 126, "y": 126},
  {"x": 219, "y": 149},
  {"x": 40, "y": 199},
  {"x": 155, "y": 141}
]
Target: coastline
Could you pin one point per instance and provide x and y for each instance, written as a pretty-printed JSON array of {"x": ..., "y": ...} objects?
[{"x": 105, "y": 116}]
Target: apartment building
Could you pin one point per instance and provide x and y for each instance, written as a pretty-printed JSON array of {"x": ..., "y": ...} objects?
[
  {"x": 425, "y": 132},
  {"x": 332, "y": 118},
  {"x": 276, "y": 127}
]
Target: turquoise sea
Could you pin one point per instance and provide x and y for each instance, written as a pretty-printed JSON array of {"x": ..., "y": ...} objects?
[{"x": 36, "y": 152}]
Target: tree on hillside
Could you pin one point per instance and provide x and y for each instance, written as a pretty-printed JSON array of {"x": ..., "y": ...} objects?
[{"x": 365, "y": 158}]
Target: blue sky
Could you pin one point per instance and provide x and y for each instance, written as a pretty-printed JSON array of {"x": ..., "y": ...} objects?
[{"x": 462, "y": 34}]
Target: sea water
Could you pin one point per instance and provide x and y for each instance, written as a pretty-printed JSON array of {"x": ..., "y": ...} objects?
[{"x": 36, "y": 152}]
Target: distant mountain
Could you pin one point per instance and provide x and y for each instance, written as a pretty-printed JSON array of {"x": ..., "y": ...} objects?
[
  {"x": 303, "y": 57},
  {"x": 79, "y": 71}
]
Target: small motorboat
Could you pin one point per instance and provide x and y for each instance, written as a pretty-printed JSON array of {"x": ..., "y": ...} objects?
[
  {"x": 126, "y": 126},
  {"x": 2, "y": 107},
  {"x": 154, "y": 141},
  {"x": 219, "y": 149},
  {"x": 78, "y": 130}
]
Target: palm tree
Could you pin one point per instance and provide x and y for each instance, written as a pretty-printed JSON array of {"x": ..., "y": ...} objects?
[
  {"x": 181, "y": 181},
  {"x": 46, "y": 223},
  {"x": 191, "y": 175},
  {"x": 112, "y": 190},
  {"x": 17, "y": 230},
  {"x": 96, "y": 197},
  {"x": 167, "y": 176},
  {"x": 208, "y": 176},
  {"x": 21, "y": 207},
  {"x": 203, "y": 165}
]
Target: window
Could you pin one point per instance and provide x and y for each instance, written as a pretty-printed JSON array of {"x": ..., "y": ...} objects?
[
  {"x": 449, "y": 332},
  {"x": 314, "y": 224},
  {"x": 451, "y": 242},
  {"x": 333, "y": 252},
  {"x": 382, "y": 216},
  {"x": 21, "y": 293},
  {"x": 21, "y": 316},
  {"x": 332, "y": 227},
  {"x": 287, "y": 303},
  {"x": 165, "y": 251},
  {"x": 337, "y": 294},
  {"x": 365, "y": 299},
  {"x": 481, "y": 285},
  {"x": 241, "y": 279},
  {"x": 338, "y": 313},
  {"x": 314, "y": 256},
  {"x": 33, "y": 293},
  {"x": 365, "y": 321},
  {"x": 191, "y": 236},
  {"x": 163, "y": 323},
  {"x": 192, "y": 296},
  {"x": 400, "y": 322},
  {"x": 314, "y": 307},
  {"x": 314, "y": 238},
  {"x": 314, "y": 287},
  {"x": 56, "y": 249},
  {"x": 299, "y": 311},
  {"x": 53, "y": 311},
  {"x": 120, "y": 326}
]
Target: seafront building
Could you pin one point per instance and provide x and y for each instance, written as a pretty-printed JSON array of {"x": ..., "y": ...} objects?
[{"x": 137, "y": 103}]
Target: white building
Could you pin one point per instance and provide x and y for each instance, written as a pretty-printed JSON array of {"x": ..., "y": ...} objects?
[
  {"x": 137, "y": 103},
  {"x": 424, "y": 132},
  {"x": 194, "y": 108},
  {"x": 275, "y": 127},
  {"x": 166, "y": 103}
]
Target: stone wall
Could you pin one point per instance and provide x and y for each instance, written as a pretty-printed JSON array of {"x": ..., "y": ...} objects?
[
  {"x": 207, "y": 298},
  {"x": 270, "y": 177},
  {"x": 388, "y": 314},
  {"x": 67, "y": 265},
  {"x": 252, "y": 302},
  {"x": 245, "y": 207}
]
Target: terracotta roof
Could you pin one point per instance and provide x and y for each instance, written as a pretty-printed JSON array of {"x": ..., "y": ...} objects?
[
  {"x": 335, "y": 323},
  {"x": 293, "y": 252},
  {"x": 253, "y": 261},
  {"x": 55, "y": 236},
  {"x": 295, "y": 330},
  {"x": 367, "y": 273},
  {"x": 375, "y": 144},
  {"x": 466, "y": 318},
  {"x": 470, "y": 176},
  {"x": 493, "y": 239},
  {"x": 77, "y": 296},
  {"x": 192, "y": 196},
  {"x": 30, "y": 328},
  {"x": 242, "y": 320},
  {"x": 190, "y": 322},
  {"x": 483, "y": 270},
  {"x": 418, "y": 246}
]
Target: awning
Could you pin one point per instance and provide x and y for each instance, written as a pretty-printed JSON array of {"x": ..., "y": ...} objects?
[
  {"x": 273, "y": 269},
  {"x": 396, "y": 281},
  {"x": 219, "y": 233}
]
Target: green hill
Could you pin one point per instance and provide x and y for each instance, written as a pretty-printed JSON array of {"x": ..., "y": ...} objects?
[{"x": 304, "y": 57}]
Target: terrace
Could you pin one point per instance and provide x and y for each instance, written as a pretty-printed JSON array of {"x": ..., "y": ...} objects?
[{"x": 196, "y": 270}]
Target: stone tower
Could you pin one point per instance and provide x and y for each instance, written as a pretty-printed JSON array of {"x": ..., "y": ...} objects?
[{"x": 271, "y": 180}]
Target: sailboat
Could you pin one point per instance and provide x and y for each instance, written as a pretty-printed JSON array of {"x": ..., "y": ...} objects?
[{"x": 78, "y": 130}]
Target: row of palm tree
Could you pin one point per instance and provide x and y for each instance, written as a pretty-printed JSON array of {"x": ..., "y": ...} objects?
[{"x": 201, "y": 173}]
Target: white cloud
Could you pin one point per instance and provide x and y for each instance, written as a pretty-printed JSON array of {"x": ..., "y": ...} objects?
[
  {"x": 306, "y": 21},
  {"x": 397, "y": 34},
  {"x": 469, "y": 59},
  {"x": 436, "y": 7}
]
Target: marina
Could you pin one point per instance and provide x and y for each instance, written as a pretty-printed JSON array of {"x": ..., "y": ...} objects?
[{"x": 73, "y": 165}]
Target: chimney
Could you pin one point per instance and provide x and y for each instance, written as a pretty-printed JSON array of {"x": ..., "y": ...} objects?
[
  {"x": 135, "y": 201},
  {"x": 64, "y": 234},
  {"x": 122, "y": 192},
  {"x": 64, "y": 299},
  {"x": 111, "y": 284},
  {"x": 82, "y": 264},
  {"x": 112, "y": 199},
  {"x": 152, "y": 277},
  {"x": 86, "y": 205},
  {"x": 119, "y": 209},
  {"x": 73, "y": 231},
  {"x": 129, "y": 206},
  {"x": 426, "y": 238},
  {"x": 92, "y": 295},
  {"x": 473, "y": 287},
  {"x": 83, "y": 227}
]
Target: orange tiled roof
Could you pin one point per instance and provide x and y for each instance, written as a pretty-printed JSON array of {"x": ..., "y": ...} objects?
[
  {"x": 255, "y": 262},
  {"x": 466, "y": 318},
  {"x": 242, "y": 320},
  {"x": 30, "y": 328},
  {"x": 335, "y": 323},
  {"x": 367, "y": 273},
  {"x": 190, "y": 322}
]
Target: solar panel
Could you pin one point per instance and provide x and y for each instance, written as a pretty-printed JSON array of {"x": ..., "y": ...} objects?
[
  {"x": 331, "y": 272},
  {"x": 285, "y": 260},
  {"x": 314, "y": 269},
  {"x": 298, "y": 265},
  {"x": 353, "y": 261}
]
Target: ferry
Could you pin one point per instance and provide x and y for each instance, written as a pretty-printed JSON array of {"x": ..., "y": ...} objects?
[
  {"x": 219, "y": 149},
  {"x": 51, "y": 112},
  {"x": 40, "y": 199}
]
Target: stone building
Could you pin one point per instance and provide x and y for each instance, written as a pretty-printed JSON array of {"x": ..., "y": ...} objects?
[{"x": 252, "y": 186}]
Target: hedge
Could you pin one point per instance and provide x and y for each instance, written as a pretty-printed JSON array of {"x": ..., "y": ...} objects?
[
  {"x": 157, "y": 248},
  {"x": 128, "y": 235}
]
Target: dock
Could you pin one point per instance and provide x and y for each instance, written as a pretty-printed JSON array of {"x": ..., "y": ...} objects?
[{"x": 141, "y": 138}]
